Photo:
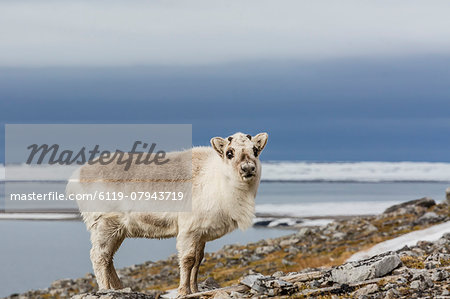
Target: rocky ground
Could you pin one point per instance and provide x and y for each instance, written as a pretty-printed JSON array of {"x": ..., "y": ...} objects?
[{"x": 305, "y": 264}]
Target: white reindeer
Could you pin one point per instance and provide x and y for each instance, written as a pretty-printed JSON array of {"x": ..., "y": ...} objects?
[{"x": 225, "y": 180}]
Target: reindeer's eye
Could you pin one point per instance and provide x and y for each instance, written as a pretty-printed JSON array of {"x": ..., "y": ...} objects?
[
  {"x": 255, "y": 151},
  {"x": 230, "y": 154}
]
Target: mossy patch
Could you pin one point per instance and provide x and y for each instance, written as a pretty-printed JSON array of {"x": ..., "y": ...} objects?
[{"x": 413, "y": 262}]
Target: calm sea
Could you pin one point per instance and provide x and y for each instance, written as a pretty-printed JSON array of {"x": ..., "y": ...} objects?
[{"x": 34, "y": 253}]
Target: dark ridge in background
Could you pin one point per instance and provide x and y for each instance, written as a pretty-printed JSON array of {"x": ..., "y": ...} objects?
[{"x": 393, "y": 109}]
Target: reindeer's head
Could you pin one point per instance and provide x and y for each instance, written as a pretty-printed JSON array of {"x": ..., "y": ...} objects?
[{"x": 241, "y": 152}]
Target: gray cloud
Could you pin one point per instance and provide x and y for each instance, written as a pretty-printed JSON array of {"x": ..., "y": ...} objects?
[{"x": 85, "y": 33}]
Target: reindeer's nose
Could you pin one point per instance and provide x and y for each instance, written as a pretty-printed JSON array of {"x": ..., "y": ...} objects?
[{"x": 248, "y": 167}]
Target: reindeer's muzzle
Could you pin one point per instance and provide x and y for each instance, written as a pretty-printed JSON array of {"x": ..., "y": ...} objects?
[{"x": 248, "y": 170}]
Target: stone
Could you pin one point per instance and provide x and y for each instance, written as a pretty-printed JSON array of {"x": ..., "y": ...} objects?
[
  {"x": 424, "y": 202},
  {"x": 367, "y": 290},
  {"x": 289, "y": 242},
  {"x": 391, "y": 294},
  {"x": 339, "y": 236},
  {"x": 371, "y": 228},
  {"x": 293, "y": 250},
  {"x": 439, "y": 275},
  {"x": 277, "y": 283},
  {"x": 304, "y": 231},
  {"x": 221, "y": 295},
  {"x": 417, "y": 285},
  {"x": 278, "y": 274},
  {"x": 428, "y": 217},
  {"x": 115, "y": 294},
  {"x": 265, "y": 249},
  {"x": 254, "y": 257},
  {"x": 252, "y": 280},
  {"x": 367, "y": 269},
  {"x": 209, "y": 284},
  {"x": 61, "y": 283}
]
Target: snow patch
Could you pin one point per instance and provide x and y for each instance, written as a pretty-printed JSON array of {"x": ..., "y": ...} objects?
[{"x": 429, "y": 234}]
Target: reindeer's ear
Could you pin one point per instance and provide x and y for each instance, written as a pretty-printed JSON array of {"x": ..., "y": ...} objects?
[
  {"x": 218, "y": 144},
  {"x": 260, "y": 141}
]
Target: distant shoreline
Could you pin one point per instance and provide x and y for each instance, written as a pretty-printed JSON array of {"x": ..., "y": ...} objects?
[
  {"x": 75, "y": 216},
  {"x": 300, "y": 181},
  {"x": 284, "y": 172}
]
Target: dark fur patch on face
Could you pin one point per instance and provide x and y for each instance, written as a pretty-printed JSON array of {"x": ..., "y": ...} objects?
[
  {"x": 255, "y": 151},
  {"x": 249, "y": 137},
  {"x": 230, "y": 153}
]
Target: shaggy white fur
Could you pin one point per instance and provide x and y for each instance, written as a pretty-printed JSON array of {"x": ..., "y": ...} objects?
[{"x": 225, "y": 180}]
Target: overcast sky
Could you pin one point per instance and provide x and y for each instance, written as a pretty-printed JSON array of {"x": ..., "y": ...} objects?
[
  {"x": 114, "y": 33},
  {"x": 329, "y": 80}
]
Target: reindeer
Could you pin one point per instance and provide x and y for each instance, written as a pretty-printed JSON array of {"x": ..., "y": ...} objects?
[{"x": 225, "y": 180}]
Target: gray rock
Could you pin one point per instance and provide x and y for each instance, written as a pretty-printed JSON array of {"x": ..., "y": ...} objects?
[
  {"x": 61, "y": 283},
  {"x": 435, "y": 260},
  {"x": 278, "y": 274},
  {"x": 389, "y": 286},
  {"x": 371, "y": 228},
  {"x": 441, "y": 242},
  {"x": 367, "y": 290},
  {"x": 289, "y": 242},
  {"x": 428, "y": 217},
  {"x": 439, "y": 275},
  {"x": 268, "y": 285},
  {"x": 339, "y": 236},
  {"x": 377, "y": 266},
  {"x": 304, "y": 231},
  {"x": 425, "y": 202},
  {"x": 116, "y": 294},
  {"x": 252, "y": 280},
  {"x": 276, "y": 283},
  {"x": 314, "y": 284},
  {"x": 254, "y": 257},
  {"x": 417, "y": 285},
  {"x": 293, "y": 250},
  {"x": 221, "y": 295},
  {"x": 391, "y": 294},
  {"x": 209, "y": 284},
  {"x": 265, "y": 249}
]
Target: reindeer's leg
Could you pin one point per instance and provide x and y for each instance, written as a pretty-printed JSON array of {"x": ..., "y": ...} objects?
[
  {"x": 104, "y": 245},
  {"x": 199, "y": 253},
  {"x": 186, "y": 246}
]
